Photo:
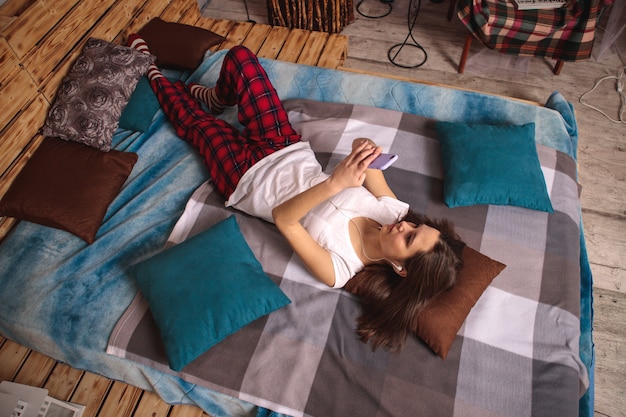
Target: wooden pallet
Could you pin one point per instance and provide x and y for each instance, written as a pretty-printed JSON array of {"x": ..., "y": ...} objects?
[
  {"x": 40, "y": 40},
  {"x": 101, "y": 396}
]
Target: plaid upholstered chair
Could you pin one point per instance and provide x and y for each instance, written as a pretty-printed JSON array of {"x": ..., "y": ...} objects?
[{"x": 563, "y": 34}]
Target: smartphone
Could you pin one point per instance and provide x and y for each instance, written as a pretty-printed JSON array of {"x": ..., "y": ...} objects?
[{"x": 383, "y": 161}]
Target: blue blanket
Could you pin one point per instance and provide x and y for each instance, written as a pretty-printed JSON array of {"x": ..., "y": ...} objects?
[{"x": 62, "y": 297}]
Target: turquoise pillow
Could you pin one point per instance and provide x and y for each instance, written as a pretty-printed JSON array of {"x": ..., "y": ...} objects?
[
  {"x": 204, "y": 289},
  {"x": 141, "y": 108},
  {"x": 492, "y": 164}
]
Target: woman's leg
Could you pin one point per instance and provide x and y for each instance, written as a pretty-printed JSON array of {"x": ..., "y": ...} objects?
[
  {"x": 207, "y": 95},
  {"x": 220, "y": 144},
  {"x": 244, "y": 82}
]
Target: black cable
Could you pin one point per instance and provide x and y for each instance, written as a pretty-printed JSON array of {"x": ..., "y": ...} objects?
[
  {"x": 414, "y": 8},
  {"x": 245, "y": 3},
  {"x": 387, "y": 2}
]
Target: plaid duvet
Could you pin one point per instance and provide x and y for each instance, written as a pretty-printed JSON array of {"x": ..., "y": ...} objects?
[
  {"x": 565, "y": 33},
  {"x": 516, "y": 355}
]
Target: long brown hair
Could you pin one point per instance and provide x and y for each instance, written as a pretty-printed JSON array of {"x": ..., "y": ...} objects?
[{"x": 390, "y": 303}]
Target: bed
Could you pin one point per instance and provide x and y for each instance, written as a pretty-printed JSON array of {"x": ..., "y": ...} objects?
[{"x": 524, "y": 349}]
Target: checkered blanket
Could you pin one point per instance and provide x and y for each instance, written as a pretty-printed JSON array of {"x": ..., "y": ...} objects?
[
  {"x": 565, "y": 33},
  {"x": 516, "y": 355}
]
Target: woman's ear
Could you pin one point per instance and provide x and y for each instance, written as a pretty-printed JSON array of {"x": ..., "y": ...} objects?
[{"x": 398, "y": 269}]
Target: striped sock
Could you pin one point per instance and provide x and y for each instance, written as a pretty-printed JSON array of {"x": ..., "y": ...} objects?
[
  {"x": 154, "y": 72},
  {"x": 136, "y": 42},
  {"x": 208, "y": 96}
]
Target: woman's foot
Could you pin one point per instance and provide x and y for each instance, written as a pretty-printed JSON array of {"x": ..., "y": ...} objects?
[
  {"x": 136, "y": 42},
  {"x": 208, "y": 96}
]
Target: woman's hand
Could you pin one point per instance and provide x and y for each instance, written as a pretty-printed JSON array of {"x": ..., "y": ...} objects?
[
  {"x": 358, "y": 141},
  {"x": 375, "y": 179},
  {"x": 351, "y": 171}
]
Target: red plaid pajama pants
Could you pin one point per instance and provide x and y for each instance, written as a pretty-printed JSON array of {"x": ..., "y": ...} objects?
[{"x": 227, "y": 152}]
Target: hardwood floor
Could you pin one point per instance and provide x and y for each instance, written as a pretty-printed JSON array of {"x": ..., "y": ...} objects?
[
  {"x": 602, "y": 164},
  {"x": 100, "y": 396},
  {"x": 601, "y": 151}
]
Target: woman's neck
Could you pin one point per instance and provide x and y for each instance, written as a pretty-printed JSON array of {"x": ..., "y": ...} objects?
[{"x": 364, "y": 235}]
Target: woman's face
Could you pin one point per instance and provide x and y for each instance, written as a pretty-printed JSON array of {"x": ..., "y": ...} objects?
[{"x": 401, "y": 241}]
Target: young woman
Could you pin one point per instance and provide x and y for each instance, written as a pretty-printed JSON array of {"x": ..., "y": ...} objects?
[{"x": 344, "y": 225}]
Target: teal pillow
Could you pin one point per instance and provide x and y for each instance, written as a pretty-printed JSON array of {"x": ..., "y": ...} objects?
[
  {"x": 204, "y": 289},
  {"x": 492, "y": 164},
  {"x": 141, "y": 108}
]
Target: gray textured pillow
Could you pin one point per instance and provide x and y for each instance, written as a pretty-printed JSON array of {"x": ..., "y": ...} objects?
[{"x": 91, "y": 97}]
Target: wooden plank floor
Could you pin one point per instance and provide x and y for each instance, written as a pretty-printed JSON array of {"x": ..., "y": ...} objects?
[
  {"x": 101, "y": 396},
  {"x": 602, "y": 163}
]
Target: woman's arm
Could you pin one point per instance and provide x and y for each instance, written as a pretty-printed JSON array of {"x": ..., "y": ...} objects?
[
  {"x": 349, "y": 173},
  {"x": 375, "y": 181},
  {"x": 287, "y": 219}
]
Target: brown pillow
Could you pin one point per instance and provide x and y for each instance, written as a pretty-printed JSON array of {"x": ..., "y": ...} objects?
[
  {"x": 177, "y": 45},
  {"x": 68, "y": 186},
  {"x": 439, "y": 322}
]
